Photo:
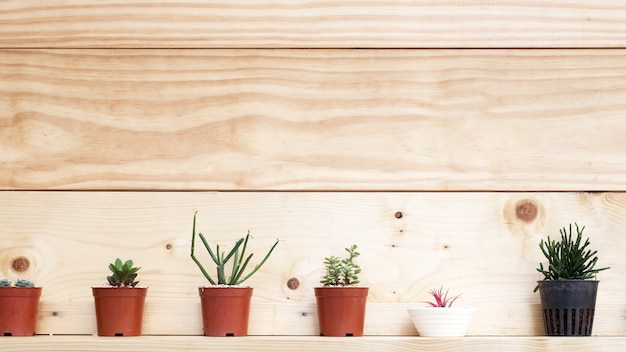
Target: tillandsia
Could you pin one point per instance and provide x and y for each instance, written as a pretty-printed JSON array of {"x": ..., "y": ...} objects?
[
  {"x": 568, "y": 259},
  {"x": 227, "y": 275},
  {"x": 342, "y": 272},
  {"x": 441, "y": 298},
  {"x": 124, "y": 274},
  {"x": 18, "y": 283}
]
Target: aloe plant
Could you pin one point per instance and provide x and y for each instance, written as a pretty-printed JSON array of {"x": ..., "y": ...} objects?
[
  {"x": 342, "y": 272},
  {"x": 225, "y": 274},
  {"x": 124, "y": 274},
  {"x": 441, "y": 298},
  {"x": 568, "y": 259}
]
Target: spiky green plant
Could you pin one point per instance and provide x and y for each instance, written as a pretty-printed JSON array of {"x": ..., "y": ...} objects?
[
  {"x": 441, "y": 298},
  {"x": 235, "y": 270},
  {"x": 342, "y": 272},
  {"x": 124, "y": 274},
  {"x": 568, "y": 259},
  {"x": 5, "y": 283}
]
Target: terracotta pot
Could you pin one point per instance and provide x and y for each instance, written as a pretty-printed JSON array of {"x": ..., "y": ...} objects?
[
  {"x": 119, "y": 310},
  {"x": 225, "y": 310},
  {"x": 18, "y": 310},
  {"x": 341, "y": 310}
]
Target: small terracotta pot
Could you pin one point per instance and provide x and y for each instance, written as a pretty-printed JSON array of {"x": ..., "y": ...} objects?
[
  {"x": 225, "y": 310},
  {"x": 18, "y": 310},
  {"x": 119, "y": 310},
  {"x": 341, "y": 310}
]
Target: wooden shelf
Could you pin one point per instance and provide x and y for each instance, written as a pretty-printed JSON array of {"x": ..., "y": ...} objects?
[{"x": 70, "y": 343}]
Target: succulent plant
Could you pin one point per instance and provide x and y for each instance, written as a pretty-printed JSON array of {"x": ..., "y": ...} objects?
[
  {"x": 342, "y": 272},
  {"x": 441, "y": 298},
  {"x": 18, "y": 283},
  {"x": 124, "y": 274},
  {"x": 24, "y": 283},
  {"x": 221, "y": 259},
  {"x": 568, "y": 259}
]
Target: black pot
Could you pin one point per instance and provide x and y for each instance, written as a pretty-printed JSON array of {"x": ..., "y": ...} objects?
[{"x": 568, "y": 306}]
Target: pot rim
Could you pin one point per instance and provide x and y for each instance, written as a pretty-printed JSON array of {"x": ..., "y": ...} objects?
[
  {"x": 120, "y": 287},
  {"x": 569, "y": 280}
]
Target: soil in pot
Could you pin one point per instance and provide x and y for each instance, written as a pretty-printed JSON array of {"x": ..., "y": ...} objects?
[
  {"x": 225, "y": 310},
  {"x": 119, "y": 311},
  {"x": 341, "y": 310},
  {"x": 568, "y": 306},
  {"x": 18, "y": 310}
]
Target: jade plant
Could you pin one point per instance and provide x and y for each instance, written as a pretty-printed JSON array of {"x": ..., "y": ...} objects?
[
  {"x": 342, "y": 272},
  {"x": 18, "y": 283},
  {"x": 123, "y": 274},
  {"x": 568, "y": 259},
  {"x": 441, "y": 298},
  {"x": 227, "y": 272}
]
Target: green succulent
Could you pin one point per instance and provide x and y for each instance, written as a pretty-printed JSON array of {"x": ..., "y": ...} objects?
[
  {"x": 342, "y": 272},
  {"x": 124, "y": 274},
  {"x": 235, "y": 275},
  {"x": 568, "y": 259},
  {"x": 18, "y": 283},
  {"x": 24, "y": 283}
]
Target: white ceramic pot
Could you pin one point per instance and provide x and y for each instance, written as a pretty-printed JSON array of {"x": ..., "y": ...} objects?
[{"x": 432, "y": 321}]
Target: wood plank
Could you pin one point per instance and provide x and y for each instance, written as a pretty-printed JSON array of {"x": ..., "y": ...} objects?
[
  {"x": 183, "y": 318},
  {"x": 311, "y": 344},
  {"x": 313, "y": 24},
  {"x": 474, "y": 243},
  {"x": 313, "y": 119}
]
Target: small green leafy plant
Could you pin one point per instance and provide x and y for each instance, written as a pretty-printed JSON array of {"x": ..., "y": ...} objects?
[
  {"x": 441, "y": 298},
  {"x": 234, "y": 273},
  {"x": 18, "y": 283},
  {"x": 123, "y": 274},
  {"x": 568, "y": 259},
  {"x": 342, "y": 272}
]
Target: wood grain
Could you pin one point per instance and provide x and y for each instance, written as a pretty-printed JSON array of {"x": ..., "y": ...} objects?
[
  {"x": 313, "y": 120},
  {"x": 312, "y": 344},
  {"x": 313, "y": 24},
  {"x": 484, "y": 245}
]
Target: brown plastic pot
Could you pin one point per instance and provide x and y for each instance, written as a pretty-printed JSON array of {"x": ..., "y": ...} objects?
[
  {"x": 341, "y": 310},
  {"x": 225, "y": 310},
  {"x": 18, "y": 310},
  {"x": 119, "y": 310}
]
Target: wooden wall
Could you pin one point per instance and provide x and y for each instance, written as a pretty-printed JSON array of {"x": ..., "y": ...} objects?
[{"x": 444, "y": 138}]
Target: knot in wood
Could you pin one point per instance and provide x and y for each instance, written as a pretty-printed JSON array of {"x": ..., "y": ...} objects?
[
  {"x": 293, "y": 283},
  {"x": 20, "y": 264},
  {"x": 526, "y": 210},
  {"x": 398, "y": 215}
]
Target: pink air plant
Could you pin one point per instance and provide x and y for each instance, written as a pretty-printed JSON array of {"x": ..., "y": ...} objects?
[{"x": 441, "y": 298}]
